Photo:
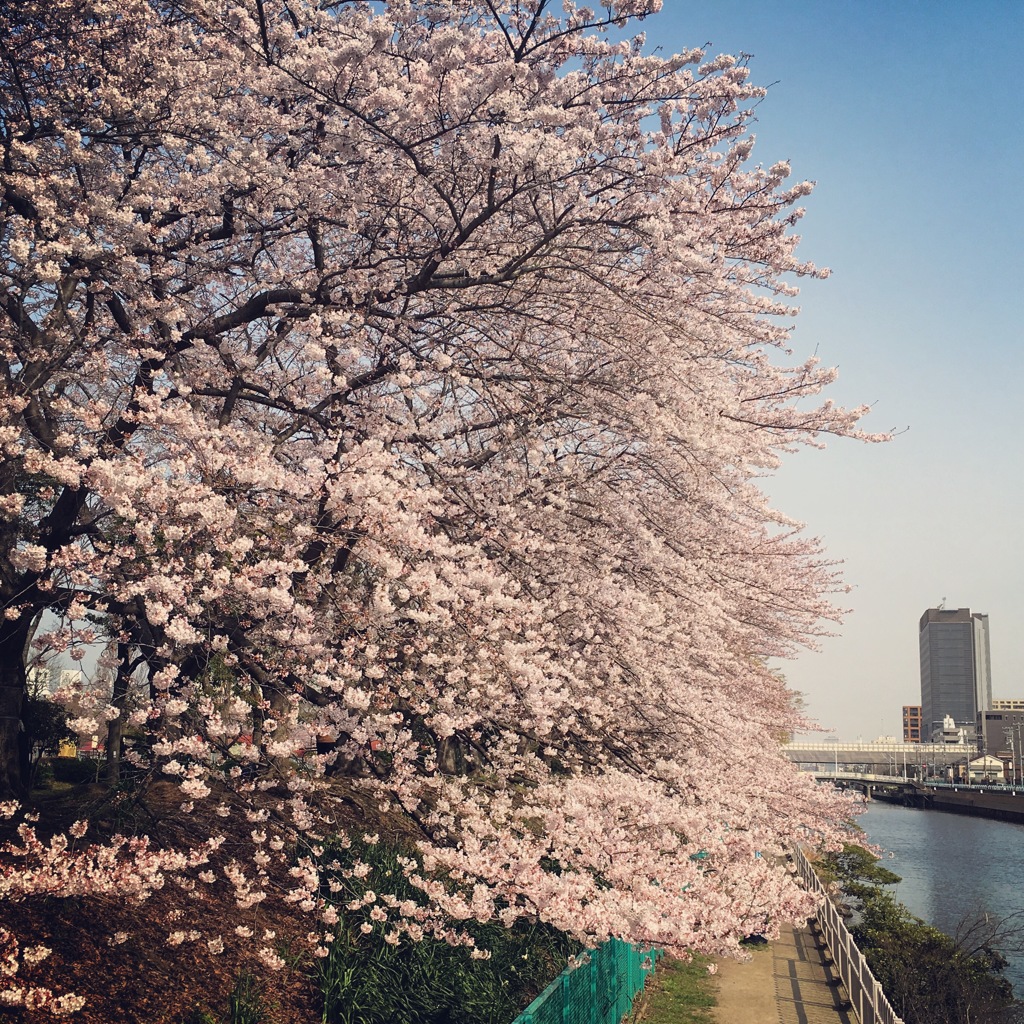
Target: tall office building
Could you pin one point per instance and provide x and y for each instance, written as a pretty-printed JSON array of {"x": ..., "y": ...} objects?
[{"x": 956, "y": 671}]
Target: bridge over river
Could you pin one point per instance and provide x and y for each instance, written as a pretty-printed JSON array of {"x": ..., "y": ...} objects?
[{"x": 908, "y": 760}]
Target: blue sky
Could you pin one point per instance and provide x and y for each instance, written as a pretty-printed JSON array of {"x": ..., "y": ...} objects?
[{"x": 909, "y": 116}]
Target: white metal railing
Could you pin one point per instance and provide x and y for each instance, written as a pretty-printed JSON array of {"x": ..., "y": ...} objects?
[
  {"x": 869, "y": 1001},
  {"x": 887, "y": 747},
  {"x": 860, "y": 777}
]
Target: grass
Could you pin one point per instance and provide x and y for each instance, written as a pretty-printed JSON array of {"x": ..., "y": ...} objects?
[
  {"x": 245, "y": 1005},
  {"x": 678, "y": 993}
]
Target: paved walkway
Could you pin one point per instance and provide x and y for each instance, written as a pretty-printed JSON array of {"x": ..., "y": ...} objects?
[{"x": 785, "y": 983}]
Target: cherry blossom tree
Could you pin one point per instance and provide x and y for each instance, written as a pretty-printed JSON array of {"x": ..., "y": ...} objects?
[{"x": 402, "y": 375}]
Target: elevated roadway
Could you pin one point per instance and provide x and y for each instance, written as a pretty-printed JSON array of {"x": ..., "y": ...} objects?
[{"x": 879, "y": 758}]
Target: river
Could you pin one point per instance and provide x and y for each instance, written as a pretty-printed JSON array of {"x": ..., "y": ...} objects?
[{"x": 954, "y": 868}]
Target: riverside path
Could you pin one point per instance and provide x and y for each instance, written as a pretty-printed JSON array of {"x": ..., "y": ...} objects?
[{"x": 787, "y": 982}]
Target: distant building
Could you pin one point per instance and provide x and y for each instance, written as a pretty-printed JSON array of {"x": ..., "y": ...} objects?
[
  {"x": 987, "y": 769},
  {"x": 40, "y": 679},
  {"x": 911, "y": 723},
  {"x": 1002, "y": 733},
  {"x": 950, "y": 732},
  {"x": 956, "y": 672},
  {"x": 1001, "y": 704},
  {"x": 70, "y": 679}
]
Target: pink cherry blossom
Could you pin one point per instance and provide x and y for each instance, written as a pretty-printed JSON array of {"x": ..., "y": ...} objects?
[{"x": 391, "y": 396}]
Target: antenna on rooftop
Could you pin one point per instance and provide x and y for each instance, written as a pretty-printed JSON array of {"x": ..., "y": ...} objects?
[{"x": 942, "y": 604}]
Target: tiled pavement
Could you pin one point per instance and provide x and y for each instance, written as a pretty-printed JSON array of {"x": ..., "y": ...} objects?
[
  {"x": 804, "y": 990},
  {"x": 788, "y": 983}
]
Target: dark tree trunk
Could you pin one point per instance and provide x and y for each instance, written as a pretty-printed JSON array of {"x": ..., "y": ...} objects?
[
  {"x": 115, "y": 729},
  {"x": 13, "y": 637}
]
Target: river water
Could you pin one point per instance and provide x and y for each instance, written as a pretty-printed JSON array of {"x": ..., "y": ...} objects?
[{"x": 954, "y": 868}]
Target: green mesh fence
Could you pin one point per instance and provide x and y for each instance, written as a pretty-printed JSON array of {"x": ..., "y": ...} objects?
[{"x": 600, "y": 992}]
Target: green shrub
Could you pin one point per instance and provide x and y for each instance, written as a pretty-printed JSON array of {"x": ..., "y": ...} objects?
[
  {"x": 929, "y": 977},
  {"x": 200, "y": 1017},
  {"x": 245, "y": 1006},
  {"x": 75, "y": 770},
  {"x": 366, "y": 980},
  {"x": 45, "y": 723},
  {"x": 246, "y": 1002},
  {"x": 44, "y": 775}
]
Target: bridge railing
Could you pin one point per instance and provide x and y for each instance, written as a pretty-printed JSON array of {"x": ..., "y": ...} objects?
[
  {"x": 975, "y": 787},
  {"x": 887, "y": 747},
  {"x": 890, "y": 780},
  {"x": 869, "y": 1001}
]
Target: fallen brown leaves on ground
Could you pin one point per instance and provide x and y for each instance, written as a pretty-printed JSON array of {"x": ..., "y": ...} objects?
[{"x": 115, "y": 953}]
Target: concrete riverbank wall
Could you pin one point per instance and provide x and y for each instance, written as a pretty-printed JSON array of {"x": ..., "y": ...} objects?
[{"x": 979, "y": 803}]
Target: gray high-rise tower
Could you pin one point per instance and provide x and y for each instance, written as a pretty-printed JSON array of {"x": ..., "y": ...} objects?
[{"x": 956, "y": 669}]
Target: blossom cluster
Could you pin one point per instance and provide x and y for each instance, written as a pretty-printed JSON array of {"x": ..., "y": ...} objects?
[
  {"x": 13, "y": 958},
  {"x": 390, "y": 394}
]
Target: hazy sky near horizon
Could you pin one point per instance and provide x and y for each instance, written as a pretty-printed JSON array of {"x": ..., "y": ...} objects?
[{"x": 908, "y": 116}]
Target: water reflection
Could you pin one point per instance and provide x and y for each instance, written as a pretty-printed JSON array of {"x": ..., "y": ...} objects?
[{"x": 953, "y": 868}]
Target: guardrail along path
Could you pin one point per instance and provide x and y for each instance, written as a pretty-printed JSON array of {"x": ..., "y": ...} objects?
[{"x": 805, "y": 991}]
